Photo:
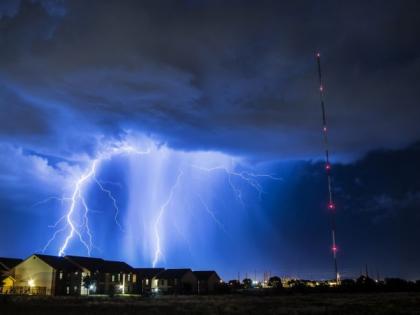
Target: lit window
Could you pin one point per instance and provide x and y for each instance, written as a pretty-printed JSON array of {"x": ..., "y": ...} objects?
[
  {"x": 147, "y": 281},
  {"x": 134, "y": 278},
  {"x": 68, "y": 290},
  {"x": 128, "y": 277},
  {"x": 113, "y": 278},
  {"x": 61, "y": 275},
  {"x": 119, "y": 277}
]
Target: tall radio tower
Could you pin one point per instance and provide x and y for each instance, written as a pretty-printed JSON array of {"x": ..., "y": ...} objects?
[{"x": 331, "y": 204}]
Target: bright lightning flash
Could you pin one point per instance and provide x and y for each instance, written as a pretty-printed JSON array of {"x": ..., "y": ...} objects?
[
  {"x": 78, "y": 206},
  {"x": 77, "y": 199},
  {"x": 158, "y": 251},
  {"x": 248, "y": 177}
]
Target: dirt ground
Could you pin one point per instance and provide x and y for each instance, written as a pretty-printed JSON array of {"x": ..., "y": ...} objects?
[{"x": 339, "y": 303}]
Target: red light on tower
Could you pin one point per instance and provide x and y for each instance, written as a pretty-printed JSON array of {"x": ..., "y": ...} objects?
[
  {"x": 328, "y": 166},
  {"x": 334, "y": 249},
  {"x": 318, "y": 55},
  {"x": 331, "y": 206},
  {"x": 321, "y": 88}
]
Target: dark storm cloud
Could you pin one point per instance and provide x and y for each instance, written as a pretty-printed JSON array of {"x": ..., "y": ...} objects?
[
  {"x": 377, "y": 200},
  {"x": 20, "y": 116},
  {"x": 217, "y": 75}
]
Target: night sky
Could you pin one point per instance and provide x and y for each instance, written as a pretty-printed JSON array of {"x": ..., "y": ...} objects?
[{"x": 221, "y": 98}]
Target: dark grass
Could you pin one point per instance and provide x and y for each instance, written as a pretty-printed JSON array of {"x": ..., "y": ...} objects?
[{"x": 325, "y": 303}]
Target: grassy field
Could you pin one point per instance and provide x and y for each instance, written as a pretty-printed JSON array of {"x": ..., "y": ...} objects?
[{"x": 368, "y": 303}]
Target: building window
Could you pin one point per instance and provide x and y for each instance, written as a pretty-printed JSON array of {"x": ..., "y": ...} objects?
[
  {"x": 75, "y": 288},
  {"x": 68, "y": 290},
  {"x": 134, "y": 278},
  {"x": 113, "y": 278},
  {"x": 61, "y": 275},
  {"x": 119, "y": 277},
  {"x": 147, "y": 281},
  {"x": 128, "y": 277}
]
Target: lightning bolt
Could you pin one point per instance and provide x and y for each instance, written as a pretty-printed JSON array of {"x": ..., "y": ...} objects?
[
  {"x": 249, "y": 177},
  {"x": 77, "y": 199},
  {"x": 212, "y": 215},
  {"x": 162, "y": 210},
  {"x": 114, "y": 202},
  {"x": 74, "y": 201},
  {"x": 46, "y": 200}
]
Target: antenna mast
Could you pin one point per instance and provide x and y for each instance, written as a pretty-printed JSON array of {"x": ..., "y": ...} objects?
[{"x": 331, "y": 205}]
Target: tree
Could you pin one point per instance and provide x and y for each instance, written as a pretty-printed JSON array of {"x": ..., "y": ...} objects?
[
  {"x": 348, "y": 284},
  {"x": 111, "y": 291},
  {"x": 87, "y": 283},
  {"x": 396, "y": 284},
  {"x": 275, "y": 282},
  {"x": 365, "y": 283},
  {"x": 3, "y": 276},
  {"x": 247, "y": 283},
  {"x": 234, "y": 285}
]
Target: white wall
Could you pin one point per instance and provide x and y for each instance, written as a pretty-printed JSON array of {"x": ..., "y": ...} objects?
[{"x": 34, "y": 269}]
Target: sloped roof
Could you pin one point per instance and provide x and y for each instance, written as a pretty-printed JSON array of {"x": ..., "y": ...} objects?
[
  {"x": 58, "y": 263},
  {"x": 116, "y": 266},
  {"x": 173, "y": 273},
  {"x": 205, "y": 274},
  {"x": 148, "y": 273},
  {"x": 8, "y": 263},
  {"x": 89, "y": 263},
  {"x": 99, "y": 264}
]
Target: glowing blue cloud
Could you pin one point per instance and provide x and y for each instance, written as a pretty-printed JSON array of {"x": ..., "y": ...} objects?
[{"x": 164, "y": 187}]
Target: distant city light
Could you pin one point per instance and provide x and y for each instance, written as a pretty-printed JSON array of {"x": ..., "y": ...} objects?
[{"x": 31, "y": 283}]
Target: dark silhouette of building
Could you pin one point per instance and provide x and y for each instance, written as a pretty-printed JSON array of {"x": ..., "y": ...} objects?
[
  {"x": 178, "y": 281},
  {"x": 106, "y": 276},
  {"x": 145, "y": 277},
  {"x": 207, "y": 281},
  {"x": 8, "y": 263}
]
